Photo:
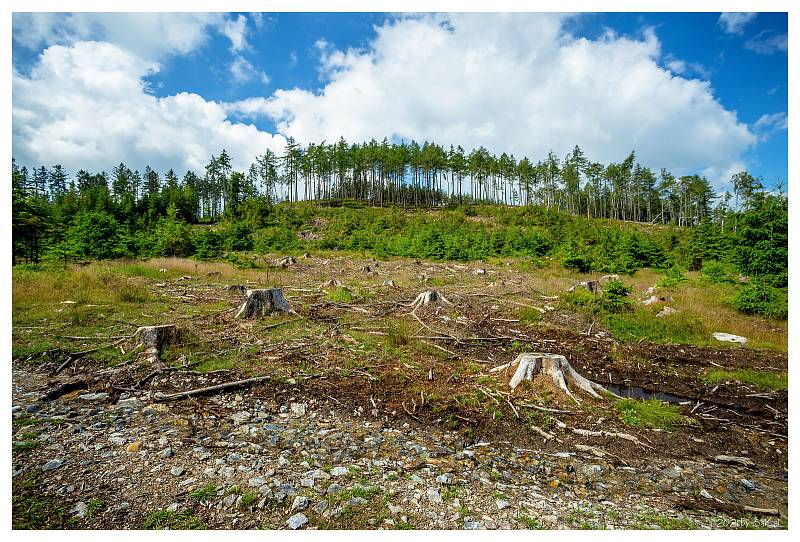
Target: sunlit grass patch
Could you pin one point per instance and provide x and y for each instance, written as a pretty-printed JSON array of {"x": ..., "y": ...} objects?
[
  {"x": 643, "y": 324},
  {"x": 649, "y": 414},
  {"x": 761, "y": 379},
  {"x": 164, "y": 519}
]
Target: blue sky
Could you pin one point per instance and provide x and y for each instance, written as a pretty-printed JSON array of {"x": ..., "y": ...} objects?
[{"x": 694, "y": 92}]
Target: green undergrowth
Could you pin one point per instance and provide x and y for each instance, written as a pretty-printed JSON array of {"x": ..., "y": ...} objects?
[
  {"x": 761, "y": 379},
  {"x": 650, "y": 414}
]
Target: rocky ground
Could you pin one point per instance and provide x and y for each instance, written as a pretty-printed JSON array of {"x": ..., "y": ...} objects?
[
  {"x": 373, "y": 415},
  {"x": 244, "y": 461}
]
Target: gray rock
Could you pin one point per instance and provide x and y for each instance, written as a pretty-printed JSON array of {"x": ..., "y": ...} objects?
[
  {"x": 357, "y": 501},
  {"x": 177, "y": 470},
  {"x": 748, "y": 485},
  {"x": 172, "y": 507},
  {"x": 447, "y": 479},
  {"x": 53, "y": 464},
  {"x": 79, "y": 510},
  {"x": 592, "y": 472},
  {"x": 705, "y": 494},
  {"x": 672, "y": 472},
  {"x": 33, "y": 409},
  {"x": 333, "y": 488},
  {"x": 299, "y": 504},
  {"x": 229, "y": 500},
  {"x": 117, "y": 441},
  {"x": 94, "y": 397},
  {"x": 320, "y": 507},
  {"x": 307, "y": 482},
  {"x": 666, "y": 311},
  {"x": 15, "y": 409},
  {"x": 339, "y": 471},
  {"x": 502, "y": 504},
  {"x": 433, "y": 495},
  {"x": 297, "y": 521},
  {"x": 166, "y": 452},
  {"x": 257, "y": 481},
  {"x": 241, "y": 417},
  {"x": 395, "y": 509},
  {"x": 132, "y": 402},
  {"x": 234, "y": 458},
  {"x": 471, "y": 525}
]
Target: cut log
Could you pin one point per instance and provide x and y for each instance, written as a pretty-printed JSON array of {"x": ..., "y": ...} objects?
[
  {"x": 259, "y": 303},
  {"x": 530, "y": 364},
  {"x": 428, "y": 297},
  {"x": 592, "y": 286},
  {"x": 153, "y": 339}
]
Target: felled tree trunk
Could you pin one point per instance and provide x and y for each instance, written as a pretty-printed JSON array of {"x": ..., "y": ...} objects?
[
  {"x": 259, "y": 303},
  {"x": 153, "y": 339},
  {"x": 558, "y": 369}
]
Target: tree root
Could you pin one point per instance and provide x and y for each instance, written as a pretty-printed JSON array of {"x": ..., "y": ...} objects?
[
  {"x": 428, "y": 297},
  {"x": 559, "y": 370}
]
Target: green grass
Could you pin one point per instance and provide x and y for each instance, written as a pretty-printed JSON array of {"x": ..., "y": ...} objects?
[
  {"x": 164, "y": 519},
  {"x": 32, "y": 509},
  {"x": 529, "y": 315},
  {"x": 529, "y": 522},
  {"x": 646, "y": 519},
  {"x": 450, "y": 492},
  {"x": 340, "y": 295},
  {"x": 650, "y": 414},
  {"x": 205, "y": 493},
  {"x": 26, "y": 445},
  {"x": 93, "y": 507},
  {"x": 138, "y": 270},
  {"x": 643, "y": 324},
  {"x": 761, "y": 379},
  {"x": 248, "y": 498}
]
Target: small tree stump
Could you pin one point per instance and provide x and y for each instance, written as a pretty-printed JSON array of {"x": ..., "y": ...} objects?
[
  {"x": 153, "y": 339},
  {"x": 529, "y": 364},
  {"x": 592, "y": 286},
  {"x": 331, "y": 283},
  {"x": 259, "y": 303}
]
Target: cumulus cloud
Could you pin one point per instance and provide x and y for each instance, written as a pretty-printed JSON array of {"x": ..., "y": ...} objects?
[
  {"x": 515, "y": 83},
  {"x": 734, "y": 23},
  {"x": 768, "y": 42},
  {"x": 147, "y": 35},
  {"x": 85, "y": 105}
]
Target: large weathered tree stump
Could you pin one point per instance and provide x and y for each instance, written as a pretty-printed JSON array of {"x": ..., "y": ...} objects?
[
  {"x": 530, "y": 364},
  {"x": 259, "y": 303},
  {"x": 153, "y": 339}
]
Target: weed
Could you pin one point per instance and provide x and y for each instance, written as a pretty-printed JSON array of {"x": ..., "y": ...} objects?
[
  {"x": 164, "y": 519},
  {"x": 450, "y": 492},
  {"x": 652, "y": 414},
  {"x": 761, "y": 379},
  {"x": 25, "y": 445},
  {"x": 93, "y": 507},
  {"x": 31, "y": 509},
  {"x": 529, "y": 522},
  {"x": 205, "y": 493},
  {"x": 248, "y": 498}
]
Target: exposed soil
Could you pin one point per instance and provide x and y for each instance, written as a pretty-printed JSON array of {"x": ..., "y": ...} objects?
[{"x": 430, "y": 382}]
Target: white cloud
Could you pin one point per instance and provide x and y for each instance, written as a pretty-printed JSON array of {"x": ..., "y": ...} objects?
[
  {"x": 148, "y": 35},
  {"x": 514, "y": 83},
  {"x": 768, "y": 42},
  {"x": 243, "y": 71},
  {"x": 734, "y": 23},
  {"x": 768, "y": 124},
  {"x": 236, "y": 31},
  {"x": 85, "y": 106}
]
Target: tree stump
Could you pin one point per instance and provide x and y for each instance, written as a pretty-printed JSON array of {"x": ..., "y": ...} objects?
[
  {"x": 286, "y": 261},
  {"x": 428, "y": 297},
  {"x": 259, "y": 303},
  {"x": 331, "y": 283},
  {"x": 153, "y": 339},
  {"x": 529, "y": 364},
  {"x": 592, "y": 286}
]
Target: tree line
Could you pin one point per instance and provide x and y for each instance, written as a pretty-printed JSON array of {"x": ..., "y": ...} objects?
[{"x": 45, "y": 201}]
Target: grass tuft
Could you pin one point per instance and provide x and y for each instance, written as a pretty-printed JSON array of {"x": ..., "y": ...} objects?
[
  {"x": 651, "y": 414},
  {"x": 761, "y": 379}
]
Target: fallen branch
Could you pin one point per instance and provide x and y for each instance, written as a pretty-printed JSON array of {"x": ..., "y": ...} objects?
[
  {"x": 624, "y": 436},
  {"x": 161, "y": 398}
]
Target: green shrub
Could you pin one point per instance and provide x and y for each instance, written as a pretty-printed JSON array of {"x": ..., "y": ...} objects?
[
  {"x": 238, "y": 236},
  {"x": 208, "y": 245},
  {"x": 276, "y": 239},
  {"x": 615, "y": 297},
  {"x": 575, "y": 260},
  {"x": 673, "y": 276},
  {"x": 759, "y": 297},
  {"x": 171, "y": 236},
  {"x": 717, "y": 272}
]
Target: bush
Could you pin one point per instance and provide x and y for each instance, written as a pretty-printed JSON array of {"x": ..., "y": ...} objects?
[
  {"x": 208, "y": 245},
  {"x": 615, "y": 297},
  {"x": 717, "y": 272},
  {"x": 277, "y": 239},
  {"x": 577, "y": 261},
  {"x": 95, "y": 234},
  {"x": 171, "y": 237},
  {"x": 761, "y": 298},
  {"x": 672, "y": 277},
  {"x": 238, "y": 236}
]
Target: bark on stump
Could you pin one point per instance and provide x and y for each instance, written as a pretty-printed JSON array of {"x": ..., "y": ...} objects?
[
  {"x": 260, "y": 303},
  {"x": 529, "y": 364},
  {"x": 153, "y": 339}
]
